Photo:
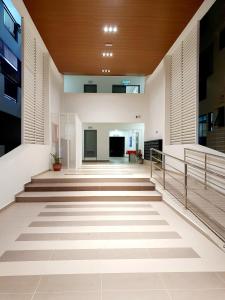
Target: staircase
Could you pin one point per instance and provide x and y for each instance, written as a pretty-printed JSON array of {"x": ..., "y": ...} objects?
[{"x": 88, "y": 189}]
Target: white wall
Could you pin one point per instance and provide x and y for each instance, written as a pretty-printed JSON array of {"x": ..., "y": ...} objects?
[
  {"x": 17, "y": 167},
  {"x": 155, "y": 102},
  {"x": 75, "y": 84},
  {"x": 55, "y": 96},
  {"x": 105, "y": 130},
  {"x": 106, "y": 108}
]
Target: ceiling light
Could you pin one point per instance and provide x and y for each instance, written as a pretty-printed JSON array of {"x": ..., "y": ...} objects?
[
  {"x": 110, "y": 28},
  {"x": 108, "y": 45},
  {"x": 106, "y": 71},
  {"x": 108, "y": 54}
]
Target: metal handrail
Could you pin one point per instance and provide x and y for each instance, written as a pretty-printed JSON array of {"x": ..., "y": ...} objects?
[
  {"x": 189, "y": 164},
  {"x": 204, "y": 179},
  {"x": 206, "y": 157},
  {"x": 202, "y": 152}
]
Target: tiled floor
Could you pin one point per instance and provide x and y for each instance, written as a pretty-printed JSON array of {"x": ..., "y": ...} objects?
[{"x": 105, "y": 251}]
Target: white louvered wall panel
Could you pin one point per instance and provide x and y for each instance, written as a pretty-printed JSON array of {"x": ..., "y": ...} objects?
[
  {"x": 183, "y": 91},
  {"x": 34, "y": 95},
  {"x": 189, "y": 87},
  {"x": 39, "y": 97},
  {"x": 29, "y": 92},
  {"x": 176, "y": 96}
]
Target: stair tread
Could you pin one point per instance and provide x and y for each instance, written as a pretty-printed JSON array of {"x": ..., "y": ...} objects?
[
  {"x": 86, "y": 178},
  {"x": 87, "y": 184},
  {"x": 88, "y": 193}
]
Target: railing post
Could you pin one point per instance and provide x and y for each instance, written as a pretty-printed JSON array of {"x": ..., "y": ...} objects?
[
  {"x": 205, "y": 179},
  {"x": 185, "y": 186},
  {"x": 164, "y": 170}
]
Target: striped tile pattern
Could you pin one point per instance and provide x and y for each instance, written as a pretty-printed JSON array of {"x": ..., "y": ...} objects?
[{"x": 122, "y": 243}]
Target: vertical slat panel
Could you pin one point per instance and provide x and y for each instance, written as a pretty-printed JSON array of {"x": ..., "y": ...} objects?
[
  {"x": 189, "y": 88},
  {"x": 29, "y": 92},
  {"x": 39, "y": 97},
  {"x": 183, "y": 91},
  {"x": 176, "y": 97},
  {"x": 34, "y": 90}
]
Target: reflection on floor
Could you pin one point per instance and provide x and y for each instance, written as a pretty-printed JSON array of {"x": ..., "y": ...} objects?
[
  {"x": 119, "y": 160},
  {"x": 105, "y": 250}
]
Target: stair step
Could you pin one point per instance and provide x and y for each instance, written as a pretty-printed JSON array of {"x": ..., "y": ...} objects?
[
  {"x": 89, "y": 186},
  {"x": 67, "y": 196},
  {"x": 88, "y": 179}
]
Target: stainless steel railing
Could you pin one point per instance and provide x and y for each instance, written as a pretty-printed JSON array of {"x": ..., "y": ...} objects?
[
  {"x": 214, "y": 167},
  {"x": 197, "y": 181}
]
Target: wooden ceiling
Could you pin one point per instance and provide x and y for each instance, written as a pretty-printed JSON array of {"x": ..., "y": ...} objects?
[{"x": 73, "y": 32}]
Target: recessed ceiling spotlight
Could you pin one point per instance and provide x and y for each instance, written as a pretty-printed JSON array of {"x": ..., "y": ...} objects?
[
  {"x": 106, "y": 71},
  {"x": 108, "y": 54},
  {"x": 110, "y": 29}
]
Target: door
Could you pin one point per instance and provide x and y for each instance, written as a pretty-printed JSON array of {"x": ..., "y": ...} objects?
[
  {"x": 116, "y": 146},
  {"x": 90, "y": 144}
]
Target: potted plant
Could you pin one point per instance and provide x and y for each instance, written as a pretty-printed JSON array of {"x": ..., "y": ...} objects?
[
  {"x": 139, "y": 157},
  {"x": 57, "y": 165}
]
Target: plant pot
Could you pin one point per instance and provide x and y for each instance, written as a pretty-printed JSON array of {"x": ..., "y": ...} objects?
[{"x": 57, "y": 167}]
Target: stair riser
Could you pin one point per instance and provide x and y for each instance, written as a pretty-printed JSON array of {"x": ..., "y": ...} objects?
[
  {"x": 77, "y": 180},
  {"x": 88, "y": 198},
  {"x": 90, "y": 188}
]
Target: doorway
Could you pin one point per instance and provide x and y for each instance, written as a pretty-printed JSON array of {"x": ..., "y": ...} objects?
[
  {"x": 116, "y": 146},
  {"x": 90, "y": 144}
]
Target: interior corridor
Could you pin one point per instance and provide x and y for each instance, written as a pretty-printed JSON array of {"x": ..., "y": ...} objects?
[{"x": 127, "y": 248}]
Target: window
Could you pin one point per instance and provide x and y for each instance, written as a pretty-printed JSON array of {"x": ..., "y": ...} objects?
[
  {"x": 10, "y": 57},
  {"x": 210, "y": 121},
  {"x": 202, "y": 126},
  {"x": 10, "y": 23},
  {"x": 133, "y": 89},
  {"x": 10, "y": 89},
  {"x": 119, "y": 89},
  {"x": 219, "y": 119},
  {"x": 90, "y": 88},
  {"x": 126, "y": 89}
]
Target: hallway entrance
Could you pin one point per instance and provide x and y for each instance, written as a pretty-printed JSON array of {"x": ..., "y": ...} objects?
[{"x": 116, "y": 146}]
